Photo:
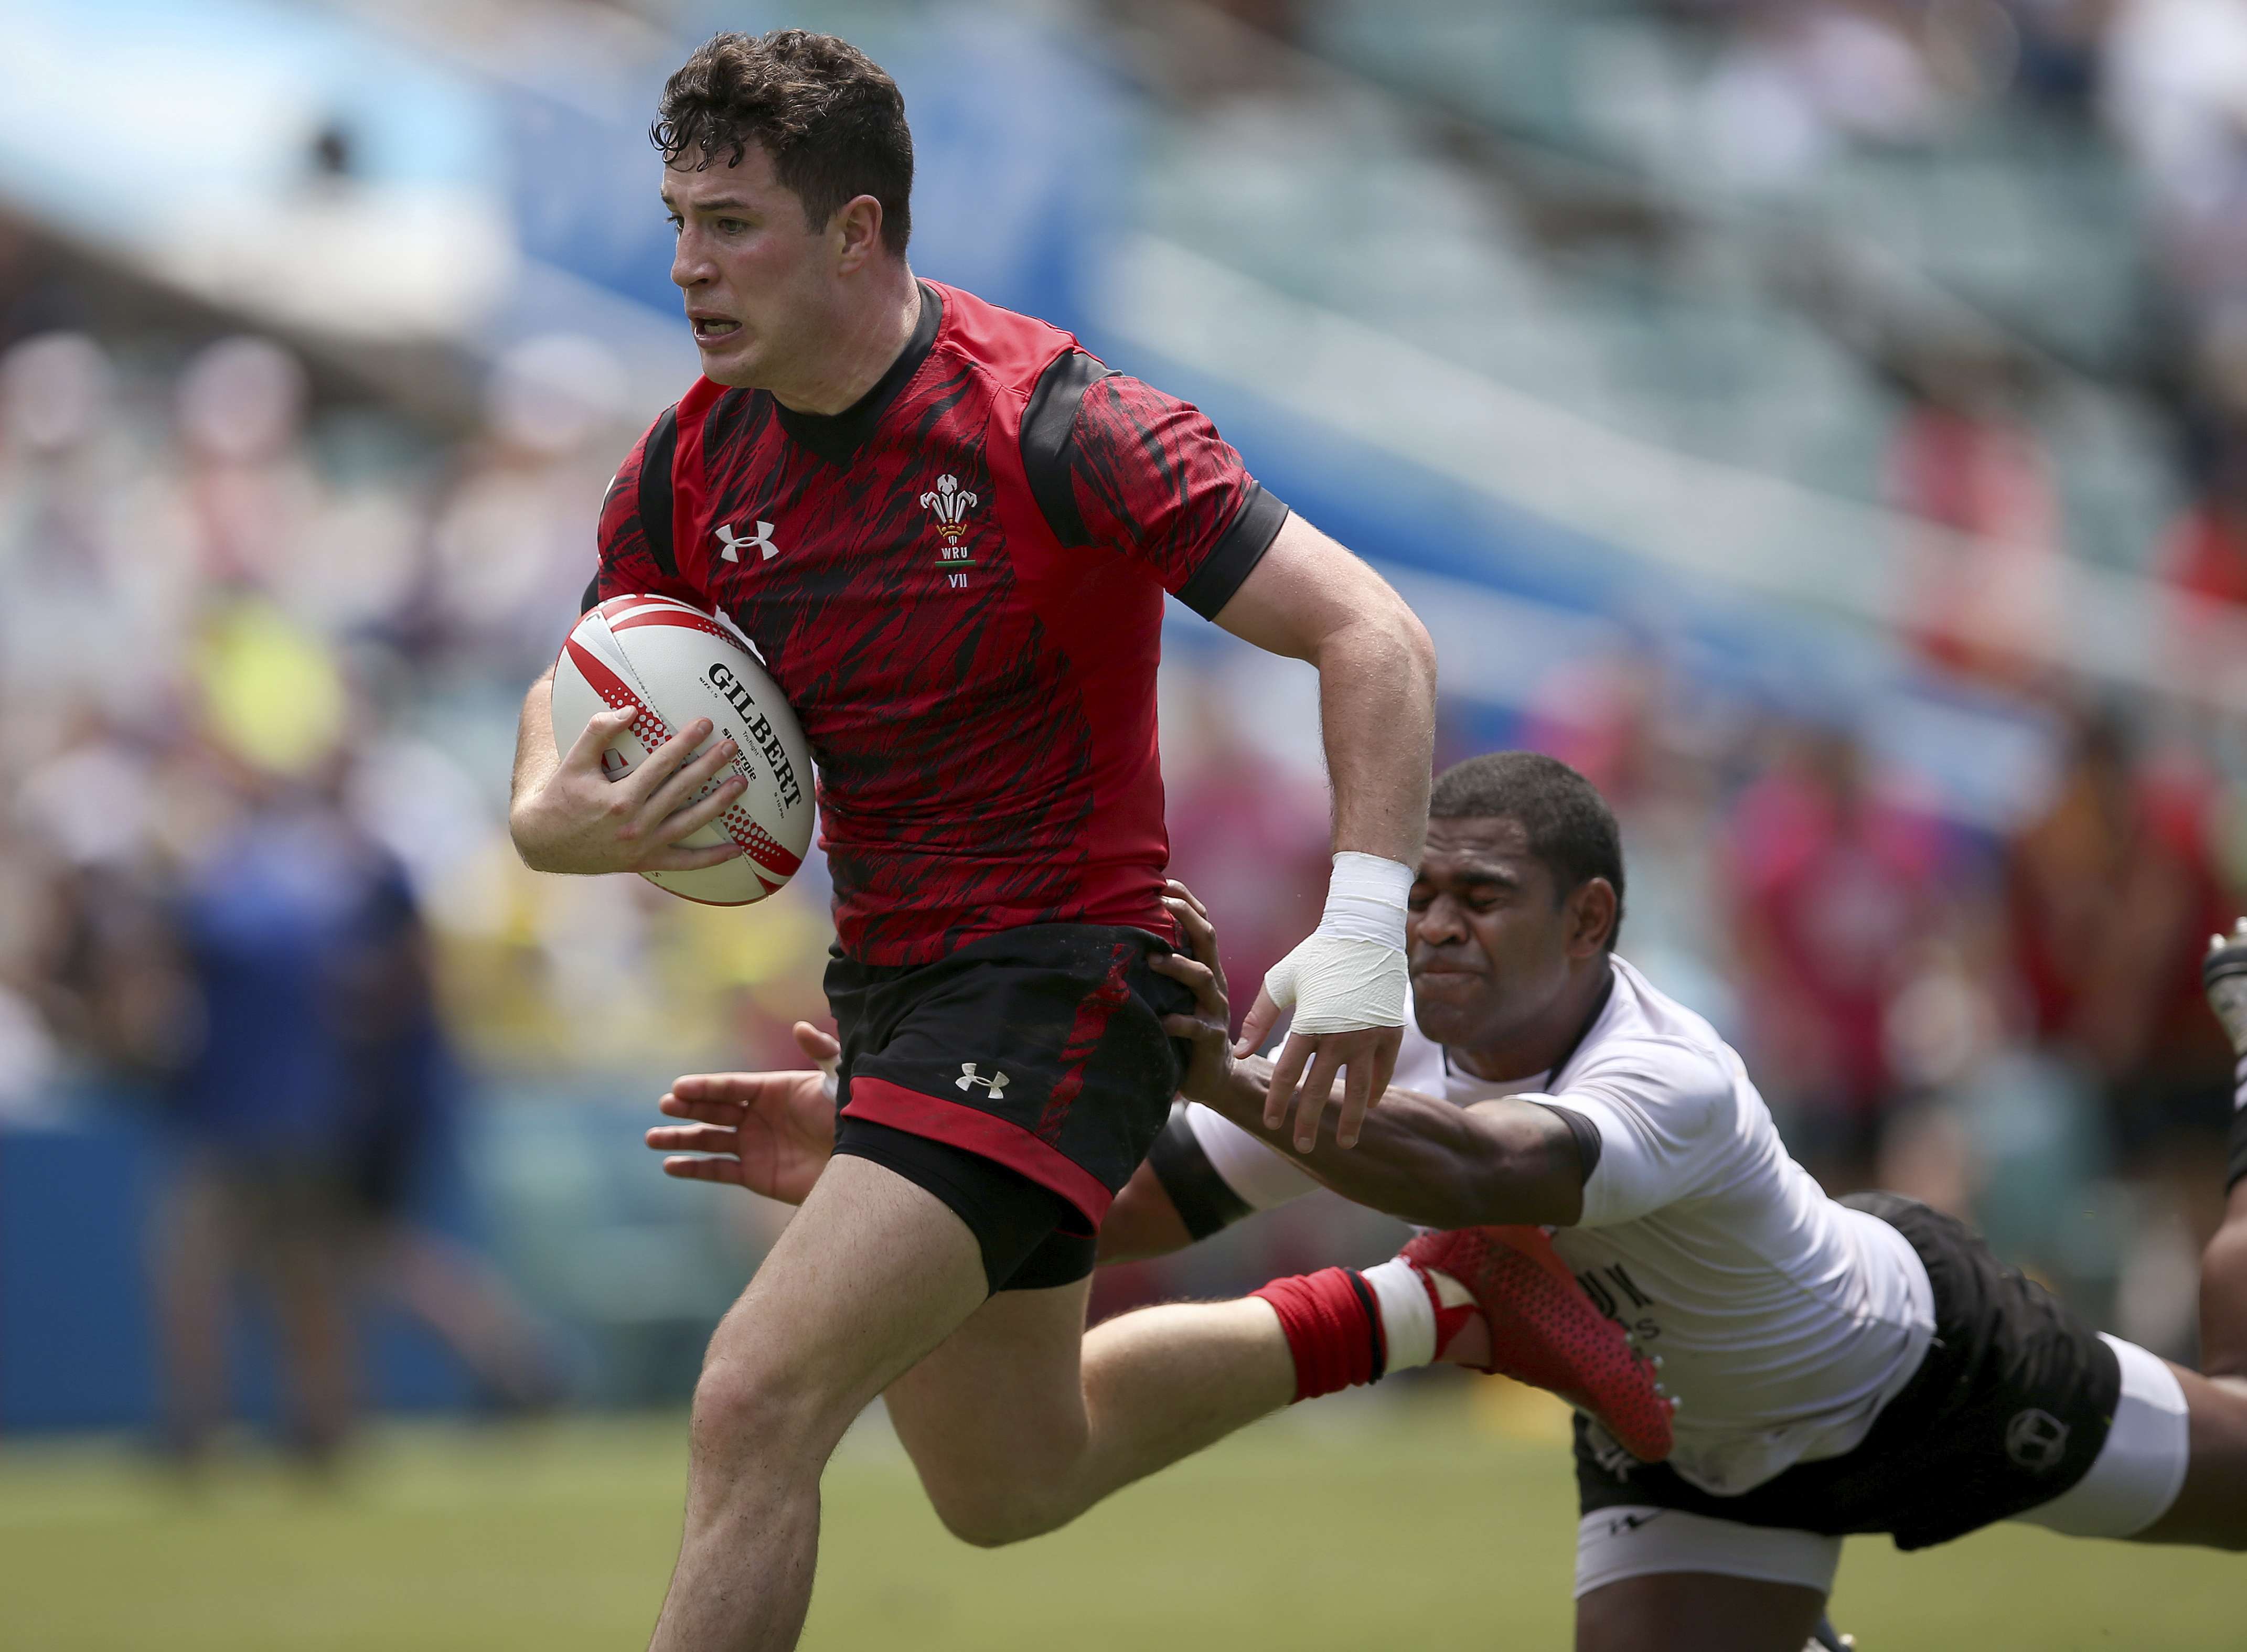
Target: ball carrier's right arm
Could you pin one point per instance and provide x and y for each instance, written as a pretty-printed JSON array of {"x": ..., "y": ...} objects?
[{"x": 566, "y": 815}]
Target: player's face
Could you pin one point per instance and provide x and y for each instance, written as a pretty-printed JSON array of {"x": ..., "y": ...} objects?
[
  {"x": 1488, "y": 941},
  {"x": 760, "y": 283}
]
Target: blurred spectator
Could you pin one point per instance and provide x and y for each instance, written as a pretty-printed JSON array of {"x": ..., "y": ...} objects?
[
  {"x": 2175, "y": 91},
  {"x": 2203, "y": 560},
  {"x": 2060, "y": 46},
  {"x": 1619, "y": 720},
  {"x": 88, "y": 602},
  {"x": 1802, "y": 77},
  {"x": 513, "y": 543},
  {"x": 35, "y": 295},
  {"x": 1966, "y": 462},
  {"x": 1247, "y": 835},
  {"x": 2113, "y": 891},
  {"x": 314, "y": 1087},
  {"x": 1833, "y": 890},
  {"x": 255, "y": 510}
]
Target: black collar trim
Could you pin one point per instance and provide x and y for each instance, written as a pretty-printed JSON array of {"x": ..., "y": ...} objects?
[{"x": 834, "y": 437}]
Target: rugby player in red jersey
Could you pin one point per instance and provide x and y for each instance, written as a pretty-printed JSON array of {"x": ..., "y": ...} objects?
[{"x": 949, "y": 531}]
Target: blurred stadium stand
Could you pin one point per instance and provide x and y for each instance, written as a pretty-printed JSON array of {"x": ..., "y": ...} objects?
[{"x": 1721, "y": 383}]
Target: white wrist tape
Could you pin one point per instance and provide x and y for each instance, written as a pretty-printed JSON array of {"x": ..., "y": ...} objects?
[
  {"x": 1349, "y": 974},
  {"x": 1365, "y": 899}
]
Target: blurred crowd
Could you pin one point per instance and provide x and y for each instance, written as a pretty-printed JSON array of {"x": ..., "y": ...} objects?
[
  {"x": 2164, "y": 83},
  {"x": 266, "y": 638}
]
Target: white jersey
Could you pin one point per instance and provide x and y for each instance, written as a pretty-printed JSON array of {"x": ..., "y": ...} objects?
[{"x": 1784, "y": 1321}]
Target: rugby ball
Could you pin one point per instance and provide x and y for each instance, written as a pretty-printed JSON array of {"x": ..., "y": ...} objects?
[{"x": 669, "y": 663}]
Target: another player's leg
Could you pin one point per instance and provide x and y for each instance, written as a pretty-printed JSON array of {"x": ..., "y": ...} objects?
[
  {"x": 1015, "y": 1432},
  {"x": 1698, "y": 1612},
  {"x": 872, "y": 1273},
  {"x": 189, "y": 1264},
  {"x": 1020, "y": 1420},
  {"x": 1655, "y": 1578},
  {"x": 2224, "y": 1265}
]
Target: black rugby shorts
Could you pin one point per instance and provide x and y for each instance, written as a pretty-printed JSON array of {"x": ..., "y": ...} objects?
[
  {"x": 1020, "y": 1080},
  {"x": 2008, "y": 1409}
]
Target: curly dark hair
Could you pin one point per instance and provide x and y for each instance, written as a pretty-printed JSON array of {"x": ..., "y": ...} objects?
[
  {"x": 1571, "y": 829},
  {"x": 833, "y": 122}
]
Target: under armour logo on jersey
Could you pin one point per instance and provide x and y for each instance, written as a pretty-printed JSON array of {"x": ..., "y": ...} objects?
[
  {"x": 761, "y": 541},
  {"x": 950, "y": 503},
  {"x": 2036, "y": 1440},
  {"x": 969, "y": 1079}
]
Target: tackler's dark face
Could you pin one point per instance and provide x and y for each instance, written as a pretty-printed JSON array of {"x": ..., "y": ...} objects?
[{"x": 1491, "y": 938}]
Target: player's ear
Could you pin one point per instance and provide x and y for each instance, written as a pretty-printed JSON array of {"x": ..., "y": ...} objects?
[
  {"x": 1593, "y": 910},
  {"x": 857, "y": 228}
]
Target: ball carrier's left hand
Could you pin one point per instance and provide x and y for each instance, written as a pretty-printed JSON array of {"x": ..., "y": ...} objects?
[{"x": 567, "y": 816}]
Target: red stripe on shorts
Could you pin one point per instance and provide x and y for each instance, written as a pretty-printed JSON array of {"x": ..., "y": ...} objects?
[
  {"x": 985, "y": 1135},
  {"x": 1092, "y": 1018}
]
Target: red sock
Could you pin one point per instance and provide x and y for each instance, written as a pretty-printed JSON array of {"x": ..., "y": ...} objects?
[{"x": 1332, "y": 1329}]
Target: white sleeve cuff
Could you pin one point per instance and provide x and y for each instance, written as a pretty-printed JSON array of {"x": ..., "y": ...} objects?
[{"x": 1261, "y": 1174}]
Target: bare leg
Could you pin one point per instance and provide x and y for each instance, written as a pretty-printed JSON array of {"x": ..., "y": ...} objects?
[
  {"x": 1020, "y": 1422},
  {"x": 2211, "y": 1507},
  {"x": 313, "y": 1312},
  {"x": 188, "y": 1264},
  {"x": 460, "y": 1297},
  {"x": 1696, "y": 1612},
  {"x": 2224, "y": 1294},
  {"x": 872, "y": 1273}
]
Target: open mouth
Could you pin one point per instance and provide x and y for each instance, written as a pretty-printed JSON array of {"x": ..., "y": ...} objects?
[{"x": 708, "y": 328}]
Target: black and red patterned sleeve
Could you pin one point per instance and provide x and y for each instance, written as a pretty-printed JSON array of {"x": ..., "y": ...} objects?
[
  {"x": 635, "y": 530},
  {"x": 1114, "y": 462}
]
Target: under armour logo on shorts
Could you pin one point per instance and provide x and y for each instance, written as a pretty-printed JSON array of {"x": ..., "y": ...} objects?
[
  {"x": 2036, "y": 1440},
  {"x": 968, "y": 1079}
]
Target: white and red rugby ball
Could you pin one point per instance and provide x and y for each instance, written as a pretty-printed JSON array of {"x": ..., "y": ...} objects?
[{"x": 670, "y": 663}]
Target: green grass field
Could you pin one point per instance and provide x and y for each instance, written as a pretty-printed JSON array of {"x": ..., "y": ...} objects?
[{"x": 1306, "y": 1533}]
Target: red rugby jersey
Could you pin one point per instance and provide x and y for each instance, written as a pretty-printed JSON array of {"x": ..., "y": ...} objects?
[{"x": 957, "y": 582}]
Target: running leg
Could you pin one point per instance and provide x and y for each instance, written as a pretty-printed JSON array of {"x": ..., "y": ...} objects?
[
  {"x": 1016, "y": 1431},
  {"x": 1021, "y": 1421},
  {"x": 872, "y": 1273},
  {"x": 2224, "y": 1294},
  {"x": 2224, "y": 1263}
]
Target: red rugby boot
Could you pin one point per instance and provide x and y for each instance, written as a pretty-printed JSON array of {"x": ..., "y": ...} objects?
[{"x": 1544, "y": 1331}]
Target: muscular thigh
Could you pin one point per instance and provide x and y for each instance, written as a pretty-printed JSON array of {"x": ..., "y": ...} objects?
[
  {"x": 1696, "y": 1612},
  {"x": 871, "y": 1273},
  {"x": 1002, "y": 1397}
]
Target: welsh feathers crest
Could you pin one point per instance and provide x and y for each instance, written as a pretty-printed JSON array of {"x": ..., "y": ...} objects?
[{"x": 950, "y": 503}]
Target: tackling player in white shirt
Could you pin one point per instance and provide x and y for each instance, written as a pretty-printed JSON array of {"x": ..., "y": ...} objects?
[{"x": 1857, "y": 1367}]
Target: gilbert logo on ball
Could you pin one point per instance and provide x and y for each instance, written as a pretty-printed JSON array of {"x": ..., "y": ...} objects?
[{"x": 669, "y": 663}]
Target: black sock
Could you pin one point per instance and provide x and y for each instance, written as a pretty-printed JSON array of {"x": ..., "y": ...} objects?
[{"x": 2237, "y": 1167}]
